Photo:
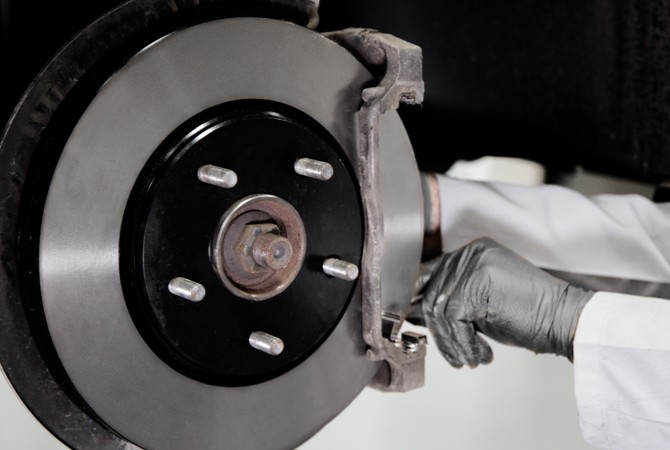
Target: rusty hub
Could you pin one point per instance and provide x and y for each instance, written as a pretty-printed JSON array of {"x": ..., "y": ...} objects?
[{"x": 258, "y": 247}]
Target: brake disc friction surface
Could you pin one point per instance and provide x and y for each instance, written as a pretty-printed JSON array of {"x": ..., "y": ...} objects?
[{"x": 103, "y": 353}]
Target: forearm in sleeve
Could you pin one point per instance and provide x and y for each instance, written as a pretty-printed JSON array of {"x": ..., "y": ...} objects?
[
  {"x": 622, "y": 236},
  {"x": 622, "y": 361}
]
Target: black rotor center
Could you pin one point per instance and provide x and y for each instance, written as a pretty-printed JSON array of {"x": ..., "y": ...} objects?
[{"x": 233, "y": 241}]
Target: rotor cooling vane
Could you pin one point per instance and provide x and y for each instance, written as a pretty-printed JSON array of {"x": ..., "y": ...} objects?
[{"x": 186, "y": 230}]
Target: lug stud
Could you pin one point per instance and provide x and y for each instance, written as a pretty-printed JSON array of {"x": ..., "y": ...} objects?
[
  {"x": 187, "y": 289},
  {"x": 266, "y": 343},
  {"x": 319, "y": 170},
  {"x": 340, "y": 269},
  {"x": 217, "y": 176}
]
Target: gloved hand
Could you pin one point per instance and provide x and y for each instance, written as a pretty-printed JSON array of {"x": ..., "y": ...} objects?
[{"x": 484, "y": 287}]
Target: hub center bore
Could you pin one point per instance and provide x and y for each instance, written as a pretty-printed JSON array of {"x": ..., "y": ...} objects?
[{"x": 258, "y": 247}]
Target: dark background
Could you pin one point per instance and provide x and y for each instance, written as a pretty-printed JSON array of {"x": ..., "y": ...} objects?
[{"x": 564, "y": 83}]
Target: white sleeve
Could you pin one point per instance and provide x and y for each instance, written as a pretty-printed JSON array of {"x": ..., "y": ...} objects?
[
  {"x": 622, "y": 364},
  {"x": 621, "y": 236}
]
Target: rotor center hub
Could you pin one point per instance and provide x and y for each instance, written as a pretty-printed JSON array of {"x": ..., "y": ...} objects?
[
  {"x": 258, "y": 247},
  {"x": 219, "y": 278}
]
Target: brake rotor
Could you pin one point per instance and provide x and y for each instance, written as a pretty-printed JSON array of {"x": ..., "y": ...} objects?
[{"x": 128, "y": 215}]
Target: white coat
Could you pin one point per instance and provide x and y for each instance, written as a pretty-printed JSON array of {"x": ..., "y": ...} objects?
[
  {"x": 622, "y": 372},
  {"x": 621, "y": 236},
  {"x": 622, "y": 344}
]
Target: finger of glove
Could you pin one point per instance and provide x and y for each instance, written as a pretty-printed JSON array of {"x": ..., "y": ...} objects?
[
  {"x": 452, "y": 272},
  {"x": 485, "y": 352},
  {"x": 440, "y": 282},
  {"x": 453, "y": 337},
  {"x": 460, "y": 344}
]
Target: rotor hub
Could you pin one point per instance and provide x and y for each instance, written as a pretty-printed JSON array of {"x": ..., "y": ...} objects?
[
  {"x": 224, "y": 242},
  {"x": 258, "y": 247}
]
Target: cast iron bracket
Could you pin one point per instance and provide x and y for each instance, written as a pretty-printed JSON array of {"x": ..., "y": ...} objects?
[{"x": 402, "y": 83}]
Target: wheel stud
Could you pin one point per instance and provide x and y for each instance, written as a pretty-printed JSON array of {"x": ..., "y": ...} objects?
[
  {"x": 187, "y": 289},
  {"x": 311, "y": 168},
  {"x": 340, "y": 269},
  {"x": 217, "y": 176},
  {"x": 266, "y": 343}
]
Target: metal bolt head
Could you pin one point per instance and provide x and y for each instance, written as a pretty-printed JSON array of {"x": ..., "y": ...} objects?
[{"x": 412, "y": 342}]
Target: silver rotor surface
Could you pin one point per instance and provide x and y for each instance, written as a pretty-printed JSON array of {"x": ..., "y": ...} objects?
[{"x": 104, "y": 355}]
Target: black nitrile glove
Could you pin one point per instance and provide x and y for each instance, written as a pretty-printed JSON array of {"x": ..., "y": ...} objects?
[{"x": 487, "y": 288}]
